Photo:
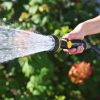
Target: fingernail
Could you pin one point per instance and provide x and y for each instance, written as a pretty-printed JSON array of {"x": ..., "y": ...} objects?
[{"x": 65, "y": 50}]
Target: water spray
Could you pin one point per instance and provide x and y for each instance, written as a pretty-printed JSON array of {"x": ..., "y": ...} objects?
[{"x": 15, "y": 43}]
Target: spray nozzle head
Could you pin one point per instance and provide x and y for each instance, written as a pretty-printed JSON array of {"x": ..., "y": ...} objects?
[
  {"x": 67, "y": 44},
  {"x": 57, "y": 43}
]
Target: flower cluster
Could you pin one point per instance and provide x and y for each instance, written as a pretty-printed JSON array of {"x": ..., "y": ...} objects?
[{"x": 80, "y": 72}]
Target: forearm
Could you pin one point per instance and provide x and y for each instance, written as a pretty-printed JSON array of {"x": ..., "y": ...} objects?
[{"x": 91, "y": 26}]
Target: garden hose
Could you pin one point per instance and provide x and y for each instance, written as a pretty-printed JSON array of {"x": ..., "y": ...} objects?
[{"x": 69, "y": 44}]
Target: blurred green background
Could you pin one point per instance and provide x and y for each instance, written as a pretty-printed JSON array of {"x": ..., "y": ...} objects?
[{"x": 44, "y": 76}]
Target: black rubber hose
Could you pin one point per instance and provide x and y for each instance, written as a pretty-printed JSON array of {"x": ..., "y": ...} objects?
[{"x": 96, "y": 49}]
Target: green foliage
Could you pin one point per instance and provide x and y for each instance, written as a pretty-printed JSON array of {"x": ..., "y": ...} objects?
[{"x": 44, "y": 76}]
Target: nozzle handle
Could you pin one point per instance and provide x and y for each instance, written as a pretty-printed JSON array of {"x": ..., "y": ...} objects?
[{"x": 69, "y": 44}]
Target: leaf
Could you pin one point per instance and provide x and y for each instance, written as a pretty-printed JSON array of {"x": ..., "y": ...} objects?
[
  {"x": 36, "y": 18},
  {"x": 59, "y": 97},
  {"x": 24, "y": 16},
  {"x": 44, "y": 20},
  {"x": 44, "y": 71},
  {"x": 27, "y": 69},
  {"x": 33, "y": 9},
  {"x": 7, "y": 5}
]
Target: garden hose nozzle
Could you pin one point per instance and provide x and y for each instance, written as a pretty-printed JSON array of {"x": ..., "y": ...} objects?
[{"x": 67, "y": 44}]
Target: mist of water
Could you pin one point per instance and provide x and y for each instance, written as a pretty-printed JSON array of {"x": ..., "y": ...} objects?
[{"x": 16, "y": 43}]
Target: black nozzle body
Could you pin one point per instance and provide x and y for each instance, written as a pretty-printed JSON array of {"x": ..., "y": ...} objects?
[{"x": 67, "y": 44}]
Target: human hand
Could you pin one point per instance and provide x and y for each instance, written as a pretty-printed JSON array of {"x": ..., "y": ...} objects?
[{"x": 77, "y": 34}]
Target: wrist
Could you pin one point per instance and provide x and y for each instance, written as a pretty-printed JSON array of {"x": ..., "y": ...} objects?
[{"x": 84, "y": 28}]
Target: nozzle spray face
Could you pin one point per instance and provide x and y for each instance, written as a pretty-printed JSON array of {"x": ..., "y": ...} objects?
[{"x": 57, "y": 43}]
